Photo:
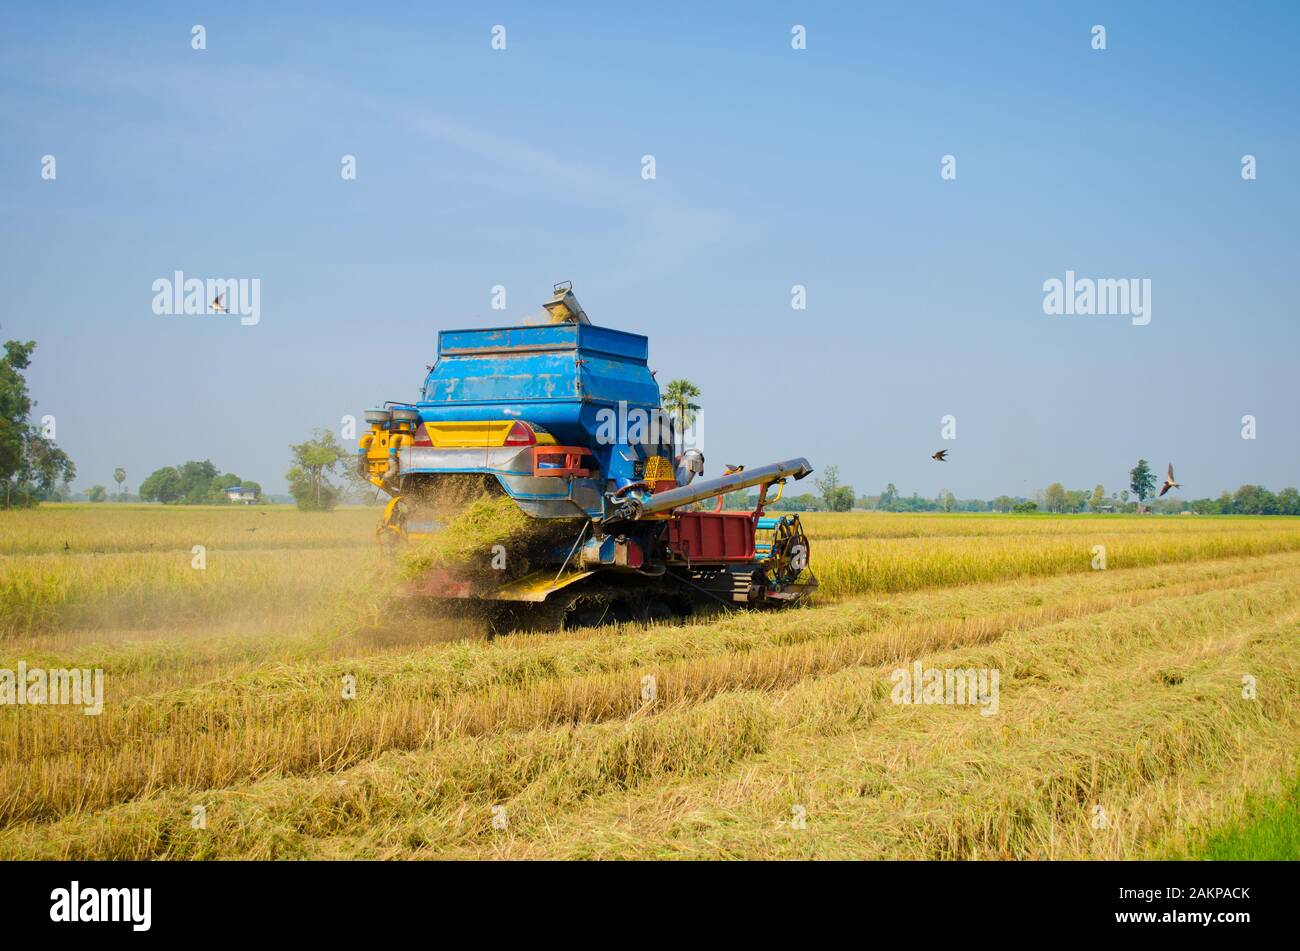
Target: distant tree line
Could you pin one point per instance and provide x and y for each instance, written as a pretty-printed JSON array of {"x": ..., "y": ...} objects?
[
  {"x": 191, "y": 483},
  {"x": 1250, "y": 500},
  {"x": 1056, "y": 498}
]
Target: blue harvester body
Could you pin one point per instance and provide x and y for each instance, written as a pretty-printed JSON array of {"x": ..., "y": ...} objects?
[{"x": 565, "y": 418}]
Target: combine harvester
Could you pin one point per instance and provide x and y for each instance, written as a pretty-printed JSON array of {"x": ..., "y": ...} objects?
[{"x": 565, "y": 419}]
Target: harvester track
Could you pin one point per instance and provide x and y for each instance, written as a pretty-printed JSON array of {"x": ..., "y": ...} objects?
[{"x": 596, "y": 604}]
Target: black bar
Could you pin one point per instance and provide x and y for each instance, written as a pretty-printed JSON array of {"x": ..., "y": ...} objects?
[{"x": 982, "y": 901}]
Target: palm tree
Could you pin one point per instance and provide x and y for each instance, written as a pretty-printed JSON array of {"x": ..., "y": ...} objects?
[
  {"x": 119, "y": 476},
  {"x": 677, "y": 400}
]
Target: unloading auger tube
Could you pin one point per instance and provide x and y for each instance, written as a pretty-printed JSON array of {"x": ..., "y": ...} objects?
[{"x": 636, "y": 508}]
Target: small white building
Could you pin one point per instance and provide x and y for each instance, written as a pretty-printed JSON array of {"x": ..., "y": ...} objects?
[{"x": 237, "y": 493}]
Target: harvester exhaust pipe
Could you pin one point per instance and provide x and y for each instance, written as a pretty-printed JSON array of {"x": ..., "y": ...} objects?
[{"x": 699, "y": 491}]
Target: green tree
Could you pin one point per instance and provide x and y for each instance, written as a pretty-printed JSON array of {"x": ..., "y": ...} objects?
[
  {"x": 163, "y": 485},
  {"x": 1098, "y": 499},
  {"x": 1254, "y": 500},
  {"x": 31, "y": 465},
  {"x": 119, "y": 476},
  {"x": 46, "y": 470},
  {"x": 1142, "y": 481},
  {"x": 947, "y": 500},
  {"x": 96, "y": 493},
  {"x": 1288, "y": 502},
  {"x": 15, "y": 407},
  {"x": 1003, "y": 503},
  {"x": 196, "y": 481},
  {"x": 314, "y": 461},
  {"x": 677, "y": 400},
  {"x": 1054, "y": 497},
  {"x": 836, "y": 497}
]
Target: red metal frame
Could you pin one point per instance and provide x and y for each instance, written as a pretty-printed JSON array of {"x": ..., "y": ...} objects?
[
  {"x": 570, "y": 458},
  {"x": 712, "y": 536}
]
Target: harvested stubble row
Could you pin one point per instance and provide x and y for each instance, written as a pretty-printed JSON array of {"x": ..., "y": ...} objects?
[{"x": 539, "y": 713}]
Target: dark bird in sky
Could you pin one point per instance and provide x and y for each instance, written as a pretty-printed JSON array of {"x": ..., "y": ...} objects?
[
  {"x": 218, "y": 305},
  {"x": 940, "y": 456},
  {"x": 1169, "y": 481}
]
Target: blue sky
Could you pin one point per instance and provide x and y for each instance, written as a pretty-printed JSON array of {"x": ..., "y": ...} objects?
[{"x": 775, "y": 167}]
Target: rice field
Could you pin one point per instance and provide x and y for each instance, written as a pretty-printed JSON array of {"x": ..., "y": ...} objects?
[{"x": 276, "y": 700}]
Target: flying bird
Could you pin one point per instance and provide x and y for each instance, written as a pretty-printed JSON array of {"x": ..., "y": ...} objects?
[
  {"x": 1169, "y": 481},
  {"x": 940, "y": 456},
  {"x": 218, "y": 305}
]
